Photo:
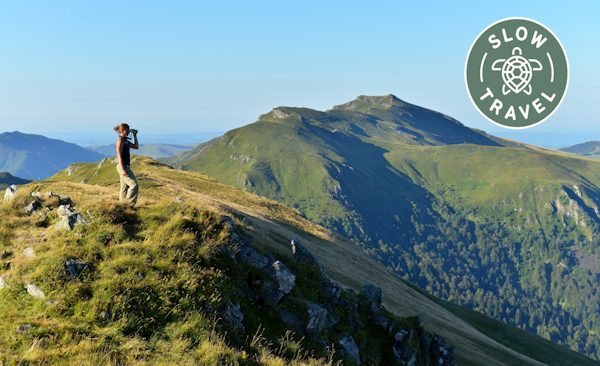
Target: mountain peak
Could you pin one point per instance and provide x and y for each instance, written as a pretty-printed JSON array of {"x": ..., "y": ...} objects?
[{"x": 365, "y": 102}]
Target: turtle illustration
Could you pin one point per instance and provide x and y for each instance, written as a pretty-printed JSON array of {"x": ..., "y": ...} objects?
[{"x": 517, "y": 72}]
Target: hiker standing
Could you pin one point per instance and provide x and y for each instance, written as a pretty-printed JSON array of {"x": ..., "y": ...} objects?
[{"x": 129, "y": 185}]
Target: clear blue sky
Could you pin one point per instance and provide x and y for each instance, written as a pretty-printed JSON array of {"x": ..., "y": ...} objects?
[{"x": 206, "y": 66}]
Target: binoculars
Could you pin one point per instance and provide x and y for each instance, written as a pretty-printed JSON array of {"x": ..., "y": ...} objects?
[{"x": 133, "y": 131}]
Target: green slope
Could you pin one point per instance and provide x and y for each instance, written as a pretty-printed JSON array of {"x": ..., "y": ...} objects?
[
  {"x": 6, "y": 179},
  {"x": 508, "y": 229},
  {"x": 190, "y": 153},
  {"x": 590, "y": 148},
  {"x": 479, "y": 340}
]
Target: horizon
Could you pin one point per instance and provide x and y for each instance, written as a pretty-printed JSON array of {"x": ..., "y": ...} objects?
[{"x": 209, "y": 68}]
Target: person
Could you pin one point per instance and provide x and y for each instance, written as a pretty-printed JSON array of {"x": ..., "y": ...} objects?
[{"x": 129, "y": 184}]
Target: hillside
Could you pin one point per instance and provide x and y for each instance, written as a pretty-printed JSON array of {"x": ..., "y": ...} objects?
[
  {"x": 6, "y": 179},
  {"x": 590, "y": 148},
  {"x": 505, "y": 228},
  {"x": 478, "y": 340},
  {"x": 190, "y": 154},
  {"x": 153, "y": 151},
  {"x": 38, "y": 157}
]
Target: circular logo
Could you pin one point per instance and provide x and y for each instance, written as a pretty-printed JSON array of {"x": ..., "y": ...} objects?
[{"x": 517, "y": 73}]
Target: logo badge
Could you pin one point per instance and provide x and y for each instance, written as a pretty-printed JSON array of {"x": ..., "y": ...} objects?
[{"x": 517, "y": 73}]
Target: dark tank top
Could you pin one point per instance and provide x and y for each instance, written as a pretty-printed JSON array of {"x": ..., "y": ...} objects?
[{"x": 125, "y": 151}]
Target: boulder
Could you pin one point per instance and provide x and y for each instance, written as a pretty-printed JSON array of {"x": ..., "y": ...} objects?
[
  {"x": 234, "y": 316},
  {"x": 252, "y": 257},
  {"x": 30, "y": 208},
  {"x": 285, "y": 278},
  {"x": 289, "y": 318},
  {"x": 301, "y": 254},
  {"x": 63, "y": 199},
  {"x": 178, "y": 200},
  {"x": 75, "y": 267},
  {"x": 69, "y": 222},
  {"x": 10, "y": 192},
  {"x": 425, "y": 347},
  {"x": 2, "y": 282},
  {"x": 29, "y": 253},
  {"x": 372, "y": 293},
  {"x": 420, "y": 318},
  {"x": 65, "y": 210},
  {"x": 317, "y": 317},
  {"x": 331, "y": 290},
  {"x": 381, "y": 320},
  {"x": 35, "y": 194},
  {"x": 350, "y": 347},
  {"x": 35, "y": 292},
  {"x": 404, "y": 356},
  {"x": 271, "y": 293},
  {"x": 440, "y": 354}
]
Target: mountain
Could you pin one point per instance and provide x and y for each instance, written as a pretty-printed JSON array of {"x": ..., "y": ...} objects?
[
  {"x": 142, "y": 275},
  {"x": 590, "y": 148},
  {"x": 38, "y": 157},
  {"x": 502, "y": 227},
  {"x": 190, "y": 154},
  {"x": 7, "y": 180},
  {"x": 150, "y": 150}
]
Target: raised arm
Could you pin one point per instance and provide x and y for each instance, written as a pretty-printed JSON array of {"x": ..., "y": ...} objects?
[{"x": 135, "y": 144}]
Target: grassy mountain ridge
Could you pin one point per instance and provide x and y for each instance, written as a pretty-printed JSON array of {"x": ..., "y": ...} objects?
[
  {"x": 590, "y": 148},
  {"x": 485, "y": 222},
  {"x": 38, "y": 157},
  {"x": 198, "y": 149},
  {"x": 478, "y": 340},
  {"x": 6, "y": 179}
]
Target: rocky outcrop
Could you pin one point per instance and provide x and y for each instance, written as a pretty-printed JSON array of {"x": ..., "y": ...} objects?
[
  {"x": 70, "y": 218},
  {"x": 10, "y": 192},
  {"x": 234, "y": 316},
  {"x": 285, "y": 278},
  {"x": 350, "y": 347}
]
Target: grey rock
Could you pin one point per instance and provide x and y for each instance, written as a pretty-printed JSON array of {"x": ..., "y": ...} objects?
[
  {"x": 301, "y": 254},
  {"x": 289, "y": 318},
  {"x": 332, "y": 320},
  {"x": 2, "y": 282},
  {"x": 35, "y": 292},
  {"x": 178, "y": 200},
  {"x": 271, "y": 294},
  {"x": 331, "y": 290},
  {"x": 399, "y": 336},
  {"x": 234, "y": 316},
  {"x": 105, "y": 315},
  {"x": 285, "y": 278},
  {"x": 404, "y": 356},
  {"x": 317, "y": 317},
  {"x": 24, "y": 328},
  {"x": 30, "y": 208},
  {"x": 350, "y": 347},
  {"x": 75, "y": 267},
  {"x": 35, "y": 194},
  {"x": 441, "y": 355},
  {"x": 252, "y": 257},
  {"x": 425, "y": 347},
  {"x": 381, "y": 320},
  {"x": 69, "y": 222},
  {"x": 29, "y": 253},
  {"x": 65, "y": 210},
  {"x": 52, "y": 303},
  {"x": 420, "y": 318},
  {"x": 63, "y": 199},
  {"x": 374, "y": 308},
  {"x": 10, "y": 192},
  {"x": 372, "y": 293}
]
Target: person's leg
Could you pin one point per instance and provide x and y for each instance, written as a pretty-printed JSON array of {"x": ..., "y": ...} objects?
[
  {"x": 123, "y": 189},
  {"x": 132, "y": 193}
]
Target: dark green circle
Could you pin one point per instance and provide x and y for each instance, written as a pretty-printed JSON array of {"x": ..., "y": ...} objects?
[{"x": 542, "y": 81}]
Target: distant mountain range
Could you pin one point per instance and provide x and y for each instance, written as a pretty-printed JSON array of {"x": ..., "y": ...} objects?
[
  {"x": 590, "y": 148},
  {"x": 37, "y": 157},
  {"x": 502, "y": 227},
  {"x": 6, "y": 179},
  {"x": 150, "y": 150}
]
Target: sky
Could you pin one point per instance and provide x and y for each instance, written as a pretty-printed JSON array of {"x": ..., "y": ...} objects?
[{"x": 195, "y": 68}]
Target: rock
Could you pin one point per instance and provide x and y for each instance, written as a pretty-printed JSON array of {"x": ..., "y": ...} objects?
[
  {"x": 285, "y": 278},
  {"x": 30, "y": 208},
  {"x": 65, "y": 210},
  {"x": 252, "y": 257},
  {"x": 10, "y": 192},
  {"x": 6, "y": 254},
  {"x": 270, "y": 292},
  {"x": 234, "y": 316},
  {"x": 399, "y": 336},
  {"x": 35, "y": 194},
  {"x": 331, "y": 290},
  {"x": 420, "y": 318},
  {"x": 404, "y": 356},
  {"x": 63, "y": 199},
  {"x": 372, "y": 293},
  {"x": 24, "y": 328},
  {"x": 317, "y": 317},
  {"x": 2, "y": 282},
  {"x": 441, "y": 355},
  {"x": 332, "y": 320},
  {"x": 289, "y": 318},
  {"x": 350, "y": 347},
  {"x": 35, "y": 292},
  {"x": 52, "y": 303},
  {"x": 301, "y": 254},
  {"x": 69, "y": 222},
  {"x": 29, "y": 253},
  {"x": 374, "y": 308},
  {"x": 105, "y": 315},
  {"x": 178, "y": 200},
  {"x": 425, "y": 347},
  {"x": 75, "y": 267},
  {"x": 381, "y": 320}
]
